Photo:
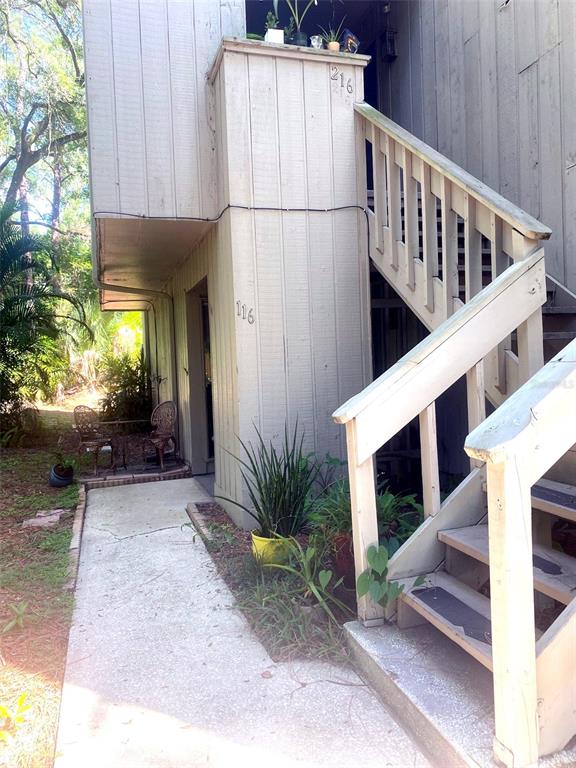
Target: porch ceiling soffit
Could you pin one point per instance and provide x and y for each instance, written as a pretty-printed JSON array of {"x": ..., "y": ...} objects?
[{"x": 142, "y": 253}]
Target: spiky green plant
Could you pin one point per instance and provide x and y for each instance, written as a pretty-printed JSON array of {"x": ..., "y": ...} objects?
[
  {"x": 295, "y": 10},
  {"x": 279, "y": 483}
]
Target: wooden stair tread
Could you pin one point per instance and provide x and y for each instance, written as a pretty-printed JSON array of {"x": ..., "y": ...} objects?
[
  {"x": 458, "y": 611},
  {"x": 554, "y": 572},
  {"x": 555, "y": 498}
]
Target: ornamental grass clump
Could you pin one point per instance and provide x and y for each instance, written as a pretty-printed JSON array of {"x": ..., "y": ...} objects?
[{"x": 279, "y": 483}]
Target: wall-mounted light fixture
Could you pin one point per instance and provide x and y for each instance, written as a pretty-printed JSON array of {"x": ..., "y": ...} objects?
[{"x": 389, "y": 51}]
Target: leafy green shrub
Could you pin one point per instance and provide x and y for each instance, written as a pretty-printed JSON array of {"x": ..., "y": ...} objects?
[
  {"x": 374, "y": 580},
  {"x": 316, "y": 582},
  {"x": 129, "y": 392},
  {"x": 398, "y": 514}
]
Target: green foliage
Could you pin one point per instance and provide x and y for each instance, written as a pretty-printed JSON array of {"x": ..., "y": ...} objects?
[
  {"x": 374, "y": 580},
  {"x": 332, "y": 35},
  {"x": 398, "y": 514},
  {"x": 11, "y": 718},
  {"x": 296, "y": 14},
  {"x": 286, "y": 625},
  {"x": 316, "y": 581},
  {"x": 279, "y": 483},
  {"x": 23, "y": 505},
  {"x": 19, "y": 616},
  {"x": 331, "y": 511},
  {"x": 129, "y": 393},
  {"x": 57, "y": 541},
  {"x": 43, "y": 89},
  {"x": 62, "y": 461},
  {"x": 271, "y": 20},
  {"x": 30, "y": 313}
]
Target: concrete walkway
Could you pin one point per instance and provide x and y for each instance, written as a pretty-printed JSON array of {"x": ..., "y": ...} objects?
[{"x": 163, "y": 672}]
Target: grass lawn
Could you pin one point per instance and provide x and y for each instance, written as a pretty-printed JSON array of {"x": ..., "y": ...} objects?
[{"x": 35, "y": 608}]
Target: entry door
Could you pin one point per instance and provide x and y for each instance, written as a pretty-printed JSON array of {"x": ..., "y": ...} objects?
[{"x": 199, "y": 379}]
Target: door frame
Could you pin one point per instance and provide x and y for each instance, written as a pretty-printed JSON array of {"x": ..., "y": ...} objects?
[{"x": 200, "y": 460}]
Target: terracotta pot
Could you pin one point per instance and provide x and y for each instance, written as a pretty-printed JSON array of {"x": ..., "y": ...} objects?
[
  {"x": 334, "y": 46},
  {"x": 344, "y": 559}
]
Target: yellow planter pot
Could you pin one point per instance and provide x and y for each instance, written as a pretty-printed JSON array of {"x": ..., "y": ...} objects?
[{"x": 269, "y": 550}]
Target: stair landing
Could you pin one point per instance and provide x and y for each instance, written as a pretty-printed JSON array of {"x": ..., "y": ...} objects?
[{"x": 437, "y": 691}]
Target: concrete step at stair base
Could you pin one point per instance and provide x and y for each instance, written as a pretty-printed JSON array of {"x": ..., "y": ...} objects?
[{"x": 436, "y": 691}]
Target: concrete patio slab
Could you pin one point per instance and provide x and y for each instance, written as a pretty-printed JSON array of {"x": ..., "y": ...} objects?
[{"x": 163, "y": 672}]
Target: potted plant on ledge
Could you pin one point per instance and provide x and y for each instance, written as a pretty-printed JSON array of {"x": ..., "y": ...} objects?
[
  {"x": 273, "y": 33},
  {"x": 332, "y": 37},
  {"x": 279, "y": 483},
  {"x": 300, "y": 37}
]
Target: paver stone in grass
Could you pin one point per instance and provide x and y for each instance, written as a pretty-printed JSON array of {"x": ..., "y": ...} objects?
[{"x": 44, "y": 519}]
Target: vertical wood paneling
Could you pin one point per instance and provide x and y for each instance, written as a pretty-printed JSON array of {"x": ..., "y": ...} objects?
[
  {"x": 152, "y": 145},
  {"x": 442, "y": 60},
  {"x": 507, "y": 101},
  {"x": 526, "y": 40},
  {"x": 489, "y": 94},
  {"x": 528, "y": 140},
  {"x": 429, "y": 76},
  {"x": 473, "y": 107},
  {"x": 321, "y": 244},
  {"x": 129, "y": 107},
  {"x": 185, "y": 106},
  {"x": 232, "y": 17},
  {"x": 457, "y": 67},
  {"x": 101, "y": 105},
  {"x": 551, "y": 159},
  {"x": 263, "y": 140},
  {"x": 157, "y": 101},
  {"x": 416, "y": 67},
  {"x": 568, "y": 67},
  {"x": 499, "y": 100},
  {"x": 294, "y": 194},
  {"x": 208, "y": 34},
  {"x": 348, "y": 318}
]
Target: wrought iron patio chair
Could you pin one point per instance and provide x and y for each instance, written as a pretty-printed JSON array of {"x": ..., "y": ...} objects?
[
  {"x": 92, "y": 438},
  {"x": 163, "y": 421}
]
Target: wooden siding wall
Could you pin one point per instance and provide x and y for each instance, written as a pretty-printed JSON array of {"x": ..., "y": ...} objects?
[
  {"x": 289, "y": 141},
  {"x": 491, "y": 84},
  {"x": 151, "y": 121},
  {"x": 211, "y": 259}
]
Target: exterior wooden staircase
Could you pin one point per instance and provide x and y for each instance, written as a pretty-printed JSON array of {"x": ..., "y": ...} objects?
[{"x": 495, "y": 527}]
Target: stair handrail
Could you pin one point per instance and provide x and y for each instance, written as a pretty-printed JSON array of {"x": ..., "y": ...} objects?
[
  {"x": 436, "y": 233},
  {"x": 411, "y": 387},
  {"x": 519, "y": 219},
  {"x": 519, "y": 442}
]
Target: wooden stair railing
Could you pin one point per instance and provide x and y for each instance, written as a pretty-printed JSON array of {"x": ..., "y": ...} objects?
[
  {"x": 414, "y": 187},
  {"x": 534, "y": 691},
  {"x": 409, "y": 389}
]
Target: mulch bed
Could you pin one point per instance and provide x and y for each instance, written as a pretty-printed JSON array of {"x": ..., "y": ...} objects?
[{"x": 231, "y": 550}]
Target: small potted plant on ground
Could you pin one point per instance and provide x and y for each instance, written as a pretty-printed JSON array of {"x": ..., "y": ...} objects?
[
  {"x": 62, "y": 471},
  {"x": 279, "y": 484},
  {"x": 300, "y": 37},
  {"x": 273, "y": 33},
  {"x": 398, "y": 517},
  {"x": 332, "y": 37}
]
